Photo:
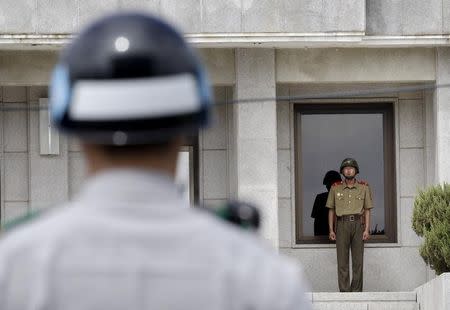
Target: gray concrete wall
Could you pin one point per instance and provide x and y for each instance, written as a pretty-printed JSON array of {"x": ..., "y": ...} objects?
[
  {"x": 215, "y": 152},
  {"x": 220, "y": 65},
  {"x": 30, "y": 180},
  {"x": 355, "y": 65},
  {"x": 255, "y": 136},
  {"x": 193, "y": 16},
  {"x": 292, "y": 65},
  {"x": 26, "y": 67},
  {"x": 442, "y": 115},
  {"x": 383, "y": 270},
  {"x": 35, "y": 67},
  {"x": 407, "y": 17},
  {"x": 374, "y": 17}
]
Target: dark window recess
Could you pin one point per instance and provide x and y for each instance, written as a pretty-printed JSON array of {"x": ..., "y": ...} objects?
[{"x": 327, "y": 133}]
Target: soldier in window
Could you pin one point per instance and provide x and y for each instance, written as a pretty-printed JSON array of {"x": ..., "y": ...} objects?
[{"x": 351, "y": 201}]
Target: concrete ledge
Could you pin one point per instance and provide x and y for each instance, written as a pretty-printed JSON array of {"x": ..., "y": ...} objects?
[
  {"x": 435, "y": 294},
  {"x": 242, "y": 40},
  {"x": 365, "y": 306},
  {"x": 365, "y": 301},
  {"x": 365, "y": 297}
]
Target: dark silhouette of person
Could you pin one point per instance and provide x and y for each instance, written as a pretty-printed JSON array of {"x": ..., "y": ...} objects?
[{"x": 319, "y": 211}]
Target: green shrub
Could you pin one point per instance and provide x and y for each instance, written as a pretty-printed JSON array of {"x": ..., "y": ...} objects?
[{"x": 431, "y": 220}]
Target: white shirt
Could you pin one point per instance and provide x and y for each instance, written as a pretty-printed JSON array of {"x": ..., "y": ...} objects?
[{"x": 128, "y": 241}]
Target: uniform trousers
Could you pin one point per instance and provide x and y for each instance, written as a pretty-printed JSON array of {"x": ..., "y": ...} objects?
[{"x": 349, "y": 237}]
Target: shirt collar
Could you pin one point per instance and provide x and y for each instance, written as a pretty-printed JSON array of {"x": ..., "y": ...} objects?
[
  {"x": 132, "y": 186},
  {"x": 353, "y": 186}
]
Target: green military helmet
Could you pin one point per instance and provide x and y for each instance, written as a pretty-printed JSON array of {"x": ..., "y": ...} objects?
[{"x": 350, "y": 162}]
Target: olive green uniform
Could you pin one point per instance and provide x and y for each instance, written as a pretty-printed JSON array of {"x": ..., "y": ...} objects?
[{"x": 349, "y": 203}]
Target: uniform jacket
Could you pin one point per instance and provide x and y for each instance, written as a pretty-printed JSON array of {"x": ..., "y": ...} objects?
[
  {"x": 129, "y": 241},
  {"x": 347, "y": 199}
]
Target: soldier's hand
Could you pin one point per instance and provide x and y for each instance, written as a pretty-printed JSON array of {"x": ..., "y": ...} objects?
[
  {"x": 366, "y": 235},
  {"x": 332, "y": 236}
]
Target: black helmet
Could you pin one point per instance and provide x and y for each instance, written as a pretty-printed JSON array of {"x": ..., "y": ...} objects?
[
  {"x": 129, "y": 79},
  {"x": 331, "y": 177},
  {"x": 349, "y": 162}
]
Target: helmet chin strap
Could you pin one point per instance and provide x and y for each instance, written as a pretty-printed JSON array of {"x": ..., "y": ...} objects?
[{"x": 349, "y": 178}]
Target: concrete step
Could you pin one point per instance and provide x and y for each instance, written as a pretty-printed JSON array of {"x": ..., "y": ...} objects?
[{"x": 365, "y": 301}]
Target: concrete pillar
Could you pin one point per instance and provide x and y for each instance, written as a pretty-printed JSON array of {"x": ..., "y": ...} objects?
[
  {"x": 255, "y": 137},
  {"x": 442, "y": 110},
  {"x": 430, "y": 137}
]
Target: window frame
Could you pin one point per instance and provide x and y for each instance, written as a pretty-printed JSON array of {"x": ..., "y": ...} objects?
[
  {"x": 192, "y": 186},
  {"x": 191, "y": 144},
  {"x": 352, "y": 106}
]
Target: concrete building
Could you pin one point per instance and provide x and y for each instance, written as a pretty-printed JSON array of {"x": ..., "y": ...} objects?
[{"x": 353, "y": 78}]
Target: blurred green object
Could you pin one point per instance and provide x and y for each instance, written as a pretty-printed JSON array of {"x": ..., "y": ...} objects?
[
  {"x": 431, "y": 220},
  {"x": 243, "y": 215},
  {"x": 18, "y": 221}
]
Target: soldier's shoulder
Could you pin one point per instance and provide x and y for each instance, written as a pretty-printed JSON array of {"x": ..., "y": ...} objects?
[
  {"x": 337, "y": 183},
  {"x": 363, "y": 183},
  {"x": 30, "y": 230}
]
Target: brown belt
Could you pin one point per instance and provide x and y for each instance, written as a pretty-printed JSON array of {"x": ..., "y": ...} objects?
[{"x": 349, "y": 218}]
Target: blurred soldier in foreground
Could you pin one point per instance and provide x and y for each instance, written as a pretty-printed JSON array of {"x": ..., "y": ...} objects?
[{"x": 130, "y": 88}]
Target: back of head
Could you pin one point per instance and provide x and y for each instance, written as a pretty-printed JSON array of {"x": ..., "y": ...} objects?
[
  {"x": 129, "y": 79},
  {"x": 331, "y": 177}
]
